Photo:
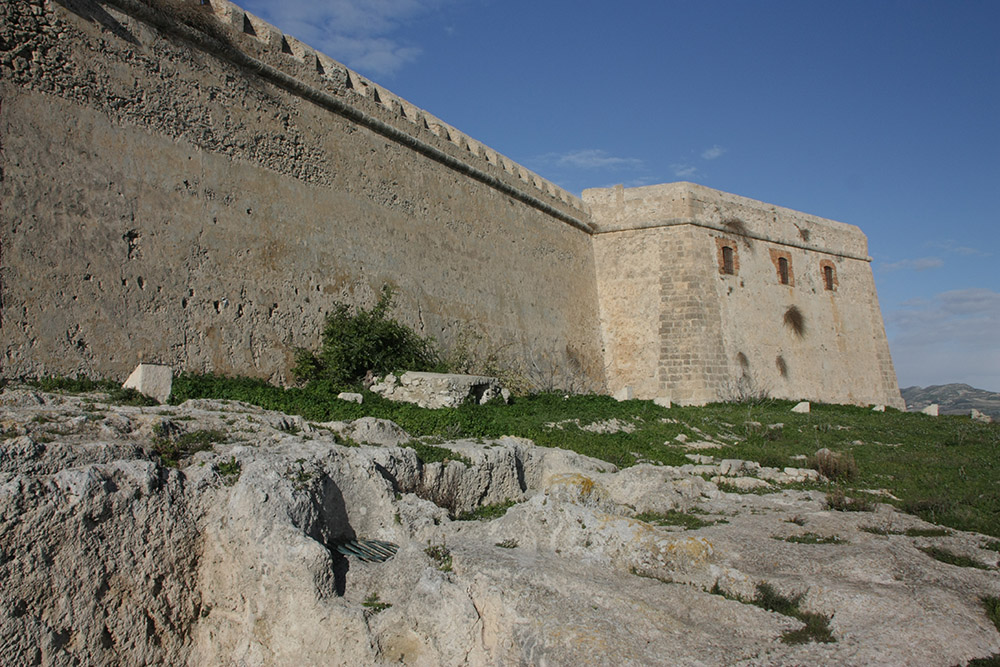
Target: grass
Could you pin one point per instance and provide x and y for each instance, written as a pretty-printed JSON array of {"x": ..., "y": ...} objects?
[
  {"x": 79, "y": 385},
  {"x": 509, "y": 543},
  {"x": 674, "y": 518},
  {"x": 945, "y": 556},
  {"x": 487, "y": 512},
  {"x": 816, "y": 627},
  {"x": 841, "y": 502},
  {"x": 229, "y": 471},
  {"x": 441, "y": 555},
  {"x": 433, "y": 454},
  {"x": 811, "y": 538},
  {"x": 992, "y": 606},
  {"x": 173, "y": 450},
  {"x": 942, "y": 469},
  {"x": 374, "y": 605}
]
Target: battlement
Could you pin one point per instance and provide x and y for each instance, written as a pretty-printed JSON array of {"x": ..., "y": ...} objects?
[{"x": 375, "y": 106}]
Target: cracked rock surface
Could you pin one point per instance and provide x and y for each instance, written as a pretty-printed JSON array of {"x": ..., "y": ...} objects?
[{"x": 107, "y": 556}]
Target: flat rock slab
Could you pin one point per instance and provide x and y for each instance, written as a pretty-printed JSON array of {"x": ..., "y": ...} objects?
[
  {"x": 440, "y": 390},
  {"x": 153, "y": 380}
]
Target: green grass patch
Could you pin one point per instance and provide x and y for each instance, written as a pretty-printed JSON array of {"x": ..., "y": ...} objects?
[
  {"x": 173, "y": 450},
  {"x": 115, "y": 393},
  {"x": 992, "y": 606},
  {"x": 674, "y": 518},
  {"x": 992, "y": 545},
  {"x": 841, "y": 502},
  {"x": 945, "y": 556},
  {"x": 434, "y": 454},
  {"x": 374, "y": 605},
  {"x": 441, "y": 555},
  {"x": 926, "y": 532},
  {"x": 229, "y": 471},
  {"x": 816, "y": 627},
  {"x": 487, "y": 512},
  {"x": 811, "y": 538}
]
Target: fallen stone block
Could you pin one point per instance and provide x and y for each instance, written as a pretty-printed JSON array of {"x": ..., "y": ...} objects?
[
  {"x": 662, "y": 402},
  {"x": 978, "y": 416},
  {"x": 802, "y": 407},
  {"x": 440, "y": 390},
  {"x": 878, "y": 408},
  {"x": 153, "y": 380},
  {"x": 351, "y": 396},
  {"x": 623, "y": 394},
  {"x": 931, "y": 410}
]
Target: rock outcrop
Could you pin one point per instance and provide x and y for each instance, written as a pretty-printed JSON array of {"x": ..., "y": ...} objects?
[{"x": 110, "y": 557}]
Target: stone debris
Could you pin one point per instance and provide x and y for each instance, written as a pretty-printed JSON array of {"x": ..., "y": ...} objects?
[
  {"x": 801, "y": 407},
  {"x": 624, "y": 394},
  {"x": 663, "y": 402},
  {"x": 931, "y": 410},
  {"x": 440, "y": 390},
  {"x": 238, "y": 555},
  {"x": 978, "y": 416},
  {"x": 878, "y": 408},
  {"x": 351, "y": 396},
  {"x": 153, "y": 380}
]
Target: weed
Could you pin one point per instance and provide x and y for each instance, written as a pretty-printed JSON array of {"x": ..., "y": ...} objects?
[
  {"x": 945, "y": 556},
  {"x": 365, "y": 341},
  {"x": 487, "y": 512},
  {"x": 174, "y": 449},
  {"x": 509, "y": 543},
  {"x": 837, "y": 500},
  {"x": 83, "y": 385},
  {"x": 992, "y": 545},
  {"x": 797, "y": 520},
  {"x": 992, "y": 606},
  {"x": 229, "y": 471},
  {"x": 374, "y": 605},
  {"x": 811, "y": 538},
  {"x": 816, "y": 627},
  {"x": 674, "y": 518},
  {"x": 441, "y": 555},
  {"x": 839, "y": 467},
  {"x": 433, "y": 454},
  {"x": 926, "y": 532}
]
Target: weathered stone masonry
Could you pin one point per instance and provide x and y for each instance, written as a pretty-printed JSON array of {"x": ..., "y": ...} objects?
[{"x": 185, "y": 184}]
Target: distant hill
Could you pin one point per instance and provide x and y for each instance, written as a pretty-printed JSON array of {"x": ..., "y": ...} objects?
[{"x": 954, "y": 399}]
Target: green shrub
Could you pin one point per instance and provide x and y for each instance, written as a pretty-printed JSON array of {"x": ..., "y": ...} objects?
[
  {"x": 362, "y": 341},
  {"x": 487, "y": 512},
  {"x": 834, "y": 466},
  {"x": 839, "y": 501}
]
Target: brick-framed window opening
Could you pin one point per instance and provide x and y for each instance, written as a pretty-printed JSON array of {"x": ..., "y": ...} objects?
[
  {"x": 783, "y": 266},
  {"x": 729, "y": 259},
  {"x": 829, "y": 276}
]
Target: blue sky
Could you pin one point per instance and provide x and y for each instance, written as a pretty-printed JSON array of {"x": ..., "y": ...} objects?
[{"x": 884, "y": 114}]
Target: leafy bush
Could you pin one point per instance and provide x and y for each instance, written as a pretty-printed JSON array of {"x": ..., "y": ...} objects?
[
  {"x": 356, "y": 343},
  {"x": 834, "y": 466}
]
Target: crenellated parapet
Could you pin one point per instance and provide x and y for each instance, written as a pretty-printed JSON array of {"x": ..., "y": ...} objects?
[{"x": 293, "y": 64}]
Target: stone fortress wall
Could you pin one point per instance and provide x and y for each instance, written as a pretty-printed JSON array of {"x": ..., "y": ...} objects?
[{"x": 183, "y": 183}]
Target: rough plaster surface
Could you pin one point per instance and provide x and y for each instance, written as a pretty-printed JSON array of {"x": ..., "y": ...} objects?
[{"x": 110, "y": 558}]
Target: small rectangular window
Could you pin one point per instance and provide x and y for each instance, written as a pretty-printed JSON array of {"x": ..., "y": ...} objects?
[
  {"x": 828, "y": 277},
  {"x": 783, "y": 270},
  {"x": 727, "y": 260}
]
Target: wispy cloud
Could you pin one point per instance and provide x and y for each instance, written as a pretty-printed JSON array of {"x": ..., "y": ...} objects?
[
  {"x": 953, "y": 246},
  {"x": 683, "y": 170},
  {"x": 590, "y": 158},
  {"x": 950, "y": 337},
  {"x": 355, "y": 32},
  {"x": 920, "y": 264},
  {"x": 713, "y": 152}
]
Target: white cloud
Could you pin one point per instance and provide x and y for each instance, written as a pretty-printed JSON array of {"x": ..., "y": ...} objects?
[
  {"x": 713, "y": 152},
  {"x": 590, "y": 159},
  {"x": 920, "y": 264},
  {"x": 684, "y": 170},
  {"x": 951, "y": 337},
  {"x": 951, "y": 245},
  {"x": 355, "y": 32}
]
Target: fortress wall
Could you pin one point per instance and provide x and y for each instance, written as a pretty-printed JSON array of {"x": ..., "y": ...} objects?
[
  {"x": 164, "y": 199},
  {"x": 723, "y": 336}
]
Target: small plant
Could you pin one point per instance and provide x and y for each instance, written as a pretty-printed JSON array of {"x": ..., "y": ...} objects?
[
  {"x": 674, "y": 518},
  {"x": 816, "y": 627},
  {"x": 509, "y": 543},
  {"x": 441, "y": 555},
  {"x": 374, "y": 605},
  {"x": 926, "y": 532},
  {"x": 992, "y": 545},
  {"x": 487, "y": 512},
  {"x": 229, "y": 471},
  {"x": 357, "y": 343},
  {"x": 797, "y": 520},
  {"x": 837, "y": 500},
  {"x": 434, "y": 454},
  {"x": 811, "y": 538},
  {"x": 174, "y": 449},
  {"x": 834, "y": 466},
  {"x": 992, "y": 606},
  {"x": 945, "y": 556}
]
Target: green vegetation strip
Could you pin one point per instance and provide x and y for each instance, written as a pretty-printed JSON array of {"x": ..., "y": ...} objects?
[{"x": 816, "y": 627}]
